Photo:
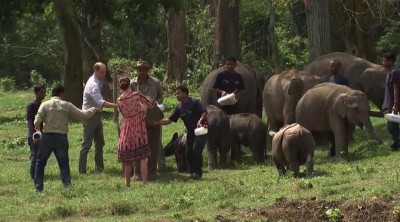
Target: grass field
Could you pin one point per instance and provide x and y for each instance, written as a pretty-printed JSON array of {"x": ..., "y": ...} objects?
[{"x": 230, "y": 194}]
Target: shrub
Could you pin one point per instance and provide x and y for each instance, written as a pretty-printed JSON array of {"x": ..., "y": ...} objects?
[
  {"x": 37, "y": 78},
  {"x": 7, "y": 84}
]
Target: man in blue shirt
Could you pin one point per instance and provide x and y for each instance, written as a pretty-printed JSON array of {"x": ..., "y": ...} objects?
[
  {"x": 390, "y": 103},
  {"x": 193, "y": 114},
  {"x": 229, "y": 81},
  {"x": 334, "y": 68},
  {"x": 31, "y": 110}
]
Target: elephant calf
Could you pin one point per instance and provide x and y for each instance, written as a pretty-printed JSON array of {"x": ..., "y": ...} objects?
[
  {"x": 218, "y": 137},
  {"x": 248, "y": 130},
  {"x": 293, "y": 146},
  {"x": 177, "y": 147}
]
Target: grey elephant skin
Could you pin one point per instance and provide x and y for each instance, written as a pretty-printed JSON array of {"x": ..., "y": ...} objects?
[
  {"x": 249, "y": 130},
  {"x": 177, "y": 147},
  {"x": 329, "y": 107},
  {"x": 362, "y": 74},
  {"x": 218, "y": 136},
  {"x": 281, "y": 94},
  {"x": 250, "y": 99},
  {"x": 293, "y": 146}
]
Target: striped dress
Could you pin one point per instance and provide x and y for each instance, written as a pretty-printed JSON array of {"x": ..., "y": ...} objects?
[{"x": 133, "y": 143}]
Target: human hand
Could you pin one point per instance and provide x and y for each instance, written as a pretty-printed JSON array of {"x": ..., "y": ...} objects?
[
  {"x": 236, "y": 92},
  {"x": 395, "y": 109},
  {"x": 384, "y": 110},
  {"x": 223, "y": 93}
]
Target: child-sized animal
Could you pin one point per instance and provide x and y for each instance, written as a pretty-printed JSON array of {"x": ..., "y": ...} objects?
[
  {"x": 292, "y": 146},
  {"x": 248, "y": 130},
  {"x": 177, "y": 147}
]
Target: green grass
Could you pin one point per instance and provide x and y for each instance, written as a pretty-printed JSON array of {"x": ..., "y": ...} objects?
[{"x": 372, "y": 170}]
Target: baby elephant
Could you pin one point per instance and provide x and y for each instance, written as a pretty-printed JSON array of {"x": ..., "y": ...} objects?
[
  {"x": 292, "y": 146},
  {"x": 248, "y": 130},
  {"x": 177, "y": 146}
]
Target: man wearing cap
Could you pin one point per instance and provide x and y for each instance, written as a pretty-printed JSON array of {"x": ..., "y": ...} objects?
[
  {"x": 93, "y": 127},
  {"x": 150, "y": 87}
]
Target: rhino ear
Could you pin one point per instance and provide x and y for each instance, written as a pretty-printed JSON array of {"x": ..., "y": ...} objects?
[{"x": 271, "y": 133}]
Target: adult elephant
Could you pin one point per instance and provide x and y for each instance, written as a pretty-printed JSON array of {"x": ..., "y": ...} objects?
[
  {"x": 362, "y": 74},
  {"x": 330, "y": 107},
  {"x": 281, "y": 94},
  {"x": 250, "y": 98}
]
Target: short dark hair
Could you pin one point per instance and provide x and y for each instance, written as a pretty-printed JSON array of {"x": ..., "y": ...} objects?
[
  {"x": 390, "y": 56},
  {"x": 37, "y": 88},
  {"x": 184, "y": 89},
  {"x": 57, "y": 90},
  {"x": 231, "y": 58}
]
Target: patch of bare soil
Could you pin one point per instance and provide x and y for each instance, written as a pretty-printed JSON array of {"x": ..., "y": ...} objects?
[{"x": 376, "y": 209}]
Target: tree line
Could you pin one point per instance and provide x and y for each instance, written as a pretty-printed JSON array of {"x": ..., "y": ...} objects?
[{"x": 184, "y": 39}]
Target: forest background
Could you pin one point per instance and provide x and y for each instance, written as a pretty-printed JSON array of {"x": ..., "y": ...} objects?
[{"x": 59, "y": 41}]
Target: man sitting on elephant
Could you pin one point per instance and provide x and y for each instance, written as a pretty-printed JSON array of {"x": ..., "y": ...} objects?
[
  {"x": 227, "y": 82},
  {"x": 334, "y": 68},
  {"x": 392, "y": 96}
]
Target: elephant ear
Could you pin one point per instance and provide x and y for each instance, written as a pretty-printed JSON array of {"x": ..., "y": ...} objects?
[
  {"x": 339, "y": 106},
  {"x": 295, "y": 86}
]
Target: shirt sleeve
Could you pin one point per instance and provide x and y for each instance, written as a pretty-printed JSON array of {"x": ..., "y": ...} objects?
[
  {"x": 95, "y": 93},
  {"x": 241, "y": 85},
  {"x": 39, "y": 118},
  {"x": 395, "y": 76},
  {"x": 78, "y": 113},
  {"x": 200, "y": 106},
  {"x": 146, "y": 101},
  {"x": 217, "y": 83},
  {"x": 30, "y": 112},
  {"x": 160, "y": 93},
  {"x": 175, "y": 115}
]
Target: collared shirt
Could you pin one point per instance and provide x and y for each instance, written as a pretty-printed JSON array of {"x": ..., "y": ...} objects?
[
  {"x": 339, "y": 79},
  {"x": 190, "y": 112},
  {"x": 151, "y": 89},
  {"x": 392, "y": 76},
  {"x": 92, "y": 94},
  {"x": 54, "y": 115}
]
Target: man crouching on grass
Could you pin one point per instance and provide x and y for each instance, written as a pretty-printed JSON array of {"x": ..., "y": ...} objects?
[
  {"x": 193, "y": 114},
  {"x": 54, "y": 115}
]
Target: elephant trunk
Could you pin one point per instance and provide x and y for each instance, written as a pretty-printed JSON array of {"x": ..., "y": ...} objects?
[{"x": 370, "y": 130}]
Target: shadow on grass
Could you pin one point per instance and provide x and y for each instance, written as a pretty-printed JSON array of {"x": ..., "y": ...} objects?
[{"x": 7, "y": 119}]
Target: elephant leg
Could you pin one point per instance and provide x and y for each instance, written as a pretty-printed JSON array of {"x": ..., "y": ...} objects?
[
  {"x": 212, "y": 154},
  {"x": 332, "y": 148},
  {"x": 339, "y": 130},
  {"x": 236, "y": 154},
  {"x": 154, "y": 141}
]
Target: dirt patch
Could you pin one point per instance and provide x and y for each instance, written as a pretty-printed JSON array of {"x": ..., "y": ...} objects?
[{"x": 376, "y": 209}]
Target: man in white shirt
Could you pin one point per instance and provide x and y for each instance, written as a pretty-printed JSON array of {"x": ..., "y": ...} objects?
[{"x": 93, "y": 127}]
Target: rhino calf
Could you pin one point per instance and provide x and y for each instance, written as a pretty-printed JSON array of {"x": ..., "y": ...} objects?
[{"x": 292, "y": 146}]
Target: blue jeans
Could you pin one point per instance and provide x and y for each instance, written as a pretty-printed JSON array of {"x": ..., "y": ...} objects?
[
  {"x": 32, "y": 156},
  {"x": 57, "y": 143},
  {"x": 194, "y": 152}
]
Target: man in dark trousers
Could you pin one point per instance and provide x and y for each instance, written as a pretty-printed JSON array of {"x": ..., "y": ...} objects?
[
  {"x": 31, "y": 110},
  {"x": 193, "y": 114},
  {"x": 229, "y": 81},
  {"x": 391, "y": 100}
]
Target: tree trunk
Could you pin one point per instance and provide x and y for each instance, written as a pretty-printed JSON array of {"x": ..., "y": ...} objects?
[
  {"x": 272, "y": 34},
  {"x": 177, "y": 57},
  {"x": 318, "y": 28},
  {"x": 90, "y": 30},
  {"x": 72, "y": 52},
  {"x": 358, "y": 33},
  {"x": 226, "y": 42}
]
